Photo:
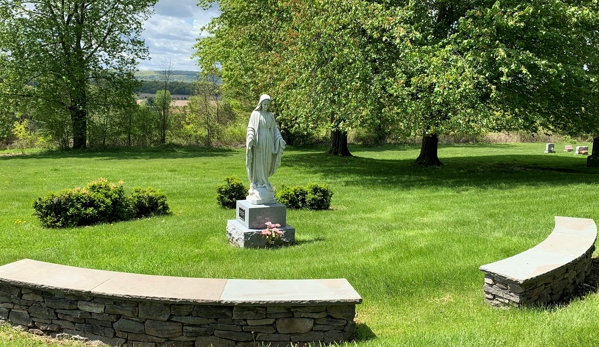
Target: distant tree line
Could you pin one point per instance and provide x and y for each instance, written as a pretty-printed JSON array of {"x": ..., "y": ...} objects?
[
  {"x": 384, "y": 70},
  {"x": 174, "y": 87}
]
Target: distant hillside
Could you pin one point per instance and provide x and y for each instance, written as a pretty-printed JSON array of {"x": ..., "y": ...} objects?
[
  {"x": 175, "y": 87},
  {"x": 176, "y": 76}
]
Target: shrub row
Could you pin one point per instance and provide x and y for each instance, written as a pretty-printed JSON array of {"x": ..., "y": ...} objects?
[
  {"x": 99, "y": 202},
  {"x": 313, "y": 196}
]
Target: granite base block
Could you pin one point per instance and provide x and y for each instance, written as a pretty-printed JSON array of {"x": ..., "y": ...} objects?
[
  {"x": 243, "y": 237},
  {"x": 255, "y": 216}
]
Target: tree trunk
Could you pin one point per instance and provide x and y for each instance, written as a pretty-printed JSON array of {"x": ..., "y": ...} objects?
[
  {"x": 339, "y": 144},
  {"x": 593, "y": 159},
  {"x": 428, "y": 151},
  {"x": 79, "y": 119}
]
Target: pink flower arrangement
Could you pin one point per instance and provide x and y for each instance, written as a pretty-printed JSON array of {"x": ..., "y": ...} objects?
[{"x": 272, "y": 232}]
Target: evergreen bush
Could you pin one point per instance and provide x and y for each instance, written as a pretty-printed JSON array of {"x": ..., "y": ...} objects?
[
  {"x": 232, "y": 190},
  {"x": 147, "y": 202},
  {"x": 318, "y": 196},
  {"x": 292, "y": 197},
  {"x": 99, "y": 202},
  {"x": 313, "y": 196}
]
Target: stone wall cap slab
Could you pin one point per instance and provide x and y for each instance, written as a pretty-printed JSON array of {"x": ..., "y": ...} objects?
[
  {"x": 101, "y": 283},
  {"x": 527, "y": 265},
  {"x": 570, "y": 240},
  {"x": 576, "y": 226},
  {"x": 162, "y": 288},
  {"x": 42, "y": 275},
  {"x": 296, "y": 292}
]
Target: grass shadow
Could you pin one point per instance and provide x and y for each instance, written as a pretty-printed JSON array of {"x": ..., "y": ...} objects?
[
  {"x": 309, "y": 241},
  {"x": 127, "y": 153},
  {"x": 458, "y": 172},
  {"x": 416, "y": 146},
  {"x": 364, "y": 333}
]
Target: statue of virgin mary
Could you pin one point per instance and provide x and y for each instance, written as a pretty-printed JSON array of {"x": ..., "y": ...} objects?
[{"x": 264, "y": 147}]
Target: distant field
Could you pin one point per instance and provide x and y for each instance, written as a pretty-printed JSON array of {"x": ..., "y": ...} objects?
[{"x": 177, "y": 75}]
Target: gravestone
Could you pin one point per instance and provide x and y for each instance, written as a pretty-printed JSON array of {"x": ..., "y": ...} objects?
[
  {"x": 550, "y": 148},
  {"x": 582, "y": 150},
  {"x": 568, "y": 148}
]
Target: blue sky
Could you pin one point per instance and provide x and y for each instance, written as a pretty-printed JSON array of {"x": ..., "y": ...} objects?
[{"x": 171, "y": 33}]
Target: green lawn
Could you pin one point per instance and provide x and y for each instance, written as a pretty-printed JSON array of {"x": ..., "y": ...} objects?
[{"x": 409, "y": 239}]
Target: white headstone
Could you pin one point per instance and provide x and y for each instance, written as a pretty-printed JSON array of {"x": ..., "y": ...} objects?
[
  {"x": 550, "y": 148},
  {"x": 582, "y": 150}
]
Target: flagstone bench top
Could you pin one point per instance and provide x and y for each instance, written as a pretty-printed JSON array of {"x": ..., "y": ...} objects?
[
  {"x": 75, "y": 280},
  {"x": 571, "y": 239}
]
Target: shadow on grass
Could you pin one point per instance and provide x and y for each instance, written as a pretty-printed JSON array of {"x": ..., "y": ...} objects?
[
  {"x": 364, "y": 333},
  {"x": 309, "y": 241},
  {"x": 416, "y": 146},
  {"x": 493, "y": 171},
  {"x": 126, "y": 153}
]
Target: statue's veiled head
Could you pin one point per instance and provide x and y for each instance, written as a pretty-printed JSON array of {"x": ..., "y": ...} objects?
[{"x": 263, "y": 98}]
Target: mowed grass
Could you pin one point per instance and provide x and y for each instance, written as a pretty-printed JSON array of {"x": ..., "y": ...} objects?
[{"x": 409, "y": 239}]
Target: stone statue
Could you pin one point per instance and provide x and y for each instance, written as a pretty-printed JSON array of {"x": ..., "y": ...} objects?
[{"x": 264, "y": 147}]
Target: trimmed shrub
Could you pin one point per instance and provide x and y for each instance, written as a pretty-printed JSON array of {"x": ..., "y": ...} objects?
[
  {"x": 107, "y": 203},
  {"x": 292, "y": 197},
  {"x": 318, "y": 197},
  {"x": 63, "y": 210},
  {"x": 99, "y": 202},
  {"x": 232, "y": 190},
  {"x": 147, "y": 202},
  {"x": 313, "y": 197}
]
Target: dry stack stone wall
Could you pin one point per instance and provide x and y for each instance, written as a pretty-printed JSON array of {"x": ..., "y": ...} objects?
[
  {"x": 122, "y": 322},
  {"x": 546, "y": 288},
  {"x": 546, "y": 272}
]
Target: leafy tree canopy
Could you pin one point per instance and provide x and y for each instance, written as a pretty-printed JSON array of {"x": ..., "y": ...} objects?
[
  {"x": 52, "y": 52},
  {"x": 428, "y": 67}
]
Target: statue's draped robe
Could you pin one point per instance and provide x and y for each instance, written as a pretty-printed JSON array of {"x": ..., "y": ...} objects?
[{"x": 264, "y": 157}]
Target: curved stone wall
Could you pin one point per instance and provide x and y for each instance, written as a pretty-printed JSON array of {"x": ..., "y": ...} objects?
[
  {"x": 128, "y": 317},
  {"x": 547, "y": 272}
]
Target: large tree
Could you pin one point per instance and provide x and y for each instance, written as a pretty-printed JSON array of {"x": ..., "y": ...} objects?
[
  {"x": 53, "y": 52},
  {"x": 314, "y": 58},
  {"x": 474, "y": 66},
  {"x": 429, "y": 67}
]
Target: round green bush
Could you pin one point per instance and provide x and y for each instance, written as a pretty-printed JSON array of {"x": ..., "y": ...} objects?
[
  {"x": 313, "y": 196},
  {"x": 292, "y": 197},
  {"x": 232, "y": 190},
  {"x": 318, "y": 197}
]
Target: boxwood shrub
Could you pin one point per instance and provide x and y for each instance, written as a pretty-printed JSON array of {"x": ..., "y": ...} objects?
[
  {"x": 313, "y": 196},
  {"x": 98, "y": 202},
  {"x": 229, "y": 192}
]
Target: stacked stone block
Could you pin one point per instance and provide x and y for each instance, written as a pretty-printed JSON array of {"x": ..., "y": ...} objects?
[
  {"x": 124, "y": 322},
  {"x": 546, "y": 288}
]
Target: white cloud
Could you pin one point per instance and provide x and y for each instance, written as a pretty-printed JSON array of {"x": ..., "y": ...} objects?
[{"x": 171, "y": 33}]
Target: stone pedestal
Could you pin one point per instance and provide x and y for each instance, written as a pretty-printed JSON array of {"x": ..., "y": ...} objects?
[{"x": 246, "y": 230}]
